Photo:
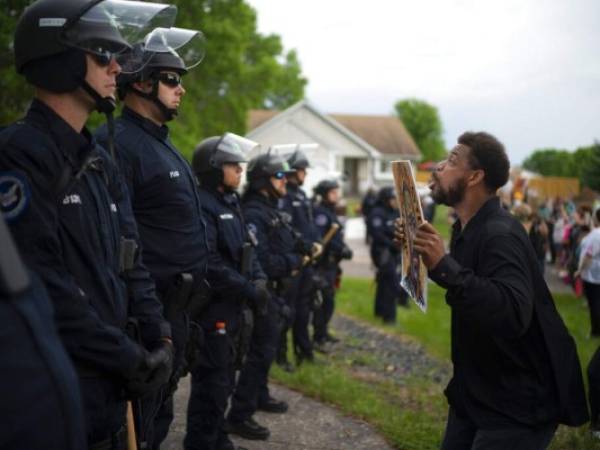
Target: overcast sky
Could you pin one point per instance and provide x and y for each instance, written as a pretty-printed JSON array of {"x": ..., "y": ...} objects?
[{"x": 527, "y": 71}]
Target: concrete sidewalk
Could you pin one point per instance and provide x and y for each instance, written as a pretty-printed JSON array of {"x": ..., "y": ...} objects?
[{"x": 308, "y": 425}]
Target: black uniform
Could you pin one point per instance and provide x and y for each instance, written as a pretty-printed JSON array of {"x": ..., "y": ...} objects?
[
  {"x": 387, "y": 258},
  {"x": 166, "y": 205},
  {"x": 515, "y": 364},
  {"x": 277, "y": 257},
  {"x": 213, "y": 378},
  {"x": 298, "y": 205},
  {"x": 328, "y": 266},
  {"x": 70, "y": 233},
  {"x": 41, "y": 405}
]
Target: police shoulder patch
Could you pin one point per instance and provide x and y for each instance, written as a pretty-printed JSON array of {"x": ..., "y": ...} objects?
[
  {"x": 14, "y": 195},
  {"x": 376, "y": 221},
  {"x": 321, "y": 220}
]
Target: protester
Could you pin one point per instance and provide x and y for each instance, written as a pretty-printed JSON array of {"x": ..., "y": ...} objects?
[{"x": 516, "y": 371}]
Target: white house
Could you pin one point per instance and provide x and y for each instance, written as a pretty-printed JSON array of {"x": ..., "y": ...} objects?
[{"x": 356, "y": 148}]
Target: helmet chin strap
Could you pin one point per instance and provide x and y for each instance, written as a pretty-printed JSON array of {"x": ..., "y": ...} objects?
[
  {"x": 168, "y": 113},
  {"x": 106, "y": 106}
]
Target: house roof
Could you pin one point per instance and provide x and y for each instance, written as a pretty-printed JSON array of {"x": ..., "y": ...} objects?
[{"x": 386, "y": 134}]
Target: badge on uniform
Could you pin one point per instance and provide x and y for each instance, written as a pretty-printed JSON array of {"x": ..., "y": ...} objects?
[
  {"x": 321, "y": 220},
  {"x": 376, "y": 222},
  {"x": 14, "y": 195}
]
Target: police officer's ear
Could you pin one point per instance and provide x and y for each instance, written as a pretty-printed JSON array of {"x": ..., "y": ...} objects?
[{"x": 143, "y": 86}]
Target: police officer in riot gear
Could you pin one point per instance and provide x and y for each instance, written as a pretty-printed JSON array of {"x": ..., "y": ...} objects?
[
  {"x": 34, "y": 364},
  {"x": 235, "y": 278},
  {"x": 297, "y": 204},
  {"x": 164, "y": 195},
  {"x": 386, "y": 256},
  {"x": 327, "y": 194},
  {"x": 69, "y": 210},
  {"x": 276, "y": 250}
]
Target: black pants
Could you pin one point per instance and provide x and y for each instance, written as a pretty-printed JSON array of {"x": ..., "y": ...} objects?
[
  {"x": 213, "y": 378},
  {"x": 593, "y": 373},
  {"x": 157, "y": 407},
  {"x": 105, "y": 412},
  {"x": 302, "y": 342},
  {"x": 324, "y": 314},
  {"x": 592, "y": 294},
  {"x": 252, "y": 383},
  {"x": 462, "y": 434},
  {"x": 389, "y": 294}
]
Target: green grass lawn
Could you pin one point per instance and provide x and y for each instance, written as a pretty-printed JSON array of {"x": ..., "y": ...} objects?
[{"x": 412, "y": 416}]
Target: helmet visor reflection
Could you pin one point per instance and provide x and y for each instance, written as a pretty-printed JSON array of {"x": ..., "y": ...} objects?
[
  {"x": 112, "y": 27},
  {"x": 188, "y": 45}
]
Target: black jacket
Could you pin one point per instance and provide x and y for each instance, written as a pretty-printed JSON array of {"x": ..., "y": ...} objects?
[
  {"x": 70, "y": 235},
  {"x": 514, "y": 359},
  {"x": 164, "y": 196}
]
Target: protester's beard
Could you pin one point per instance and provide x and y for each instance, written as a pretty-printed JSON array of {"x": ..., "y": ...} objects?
[{"x": 451, "y": 196}]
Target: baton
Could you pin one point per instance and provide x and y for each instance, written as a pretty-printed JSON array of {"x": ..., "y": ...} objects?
[
  {"x": 324, "y": 241},
  {"x": 131, "y": 437}
]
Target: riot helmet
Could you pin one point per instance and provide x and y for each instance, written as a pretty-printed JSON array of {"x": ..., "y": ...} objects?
[
  {"x": 324, "y": 186},
  {"x": 53, "y": 36},
  {"x": 298, "y": 159},
  {"x": 166, "y": 49},
  {"x": 384, "y": 196},
  {"x": 262, "y": 167},
  {"x": 213, "y": 152}
]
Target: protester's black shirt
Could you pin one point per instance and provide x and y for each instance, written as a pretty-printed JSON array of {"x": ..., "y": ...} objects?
[{"x": 506, "y": 369}]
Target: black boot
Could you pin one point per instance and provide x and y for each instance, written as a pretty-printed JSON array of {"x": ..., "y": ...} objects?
[
  {"x": 248, "y": 429},
  {"x": 273, "y": 406}
]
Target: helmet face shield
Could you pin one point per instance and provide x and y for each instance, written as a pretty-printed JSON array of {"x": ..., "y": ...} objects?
[
  {"x": 233, "y": 149},
  {"x": 187, "y": 45},
  {"x": 295, "y": 154},
  {"x": 111, "y": 28}
]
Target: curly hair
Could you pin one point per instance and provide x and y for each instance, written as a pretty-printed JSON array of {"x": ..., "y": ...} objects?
[{"x": 488, "y": 154}]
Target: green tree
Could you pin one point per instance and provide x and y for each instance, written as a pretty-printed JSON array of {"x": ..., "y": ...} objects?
[
  {"x": 242, "y": 70},
  {"x": 591, "y": 171},
  {"x": 551, "y": 162},
  {"x": 423, "y": 122},
  {"x": 15, "y": 94}
]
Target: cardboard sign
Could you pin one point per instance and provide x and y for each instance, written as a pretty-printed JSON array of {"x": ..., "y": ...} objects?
[{"x": 414, "y": 272}]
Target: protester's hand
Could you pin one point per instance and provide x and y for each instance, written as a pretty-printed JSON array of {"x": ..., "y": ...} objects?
[
  {"x": 398, "y": 233},
  {"x": 153, "y": 372},
  {"x": 262, "y": 297},
  {"x": 429, "y": 244}
]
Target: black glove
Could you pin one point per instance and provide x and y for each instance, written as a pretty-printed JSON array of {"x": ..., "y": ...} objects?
[
  {"x": 346, "y": 252},
  {"x": 285, "y": 312},
  {"x": 261, "y": 297},
  {"x": 302, "y": 247},
  {"x": 153, "y": 372}
]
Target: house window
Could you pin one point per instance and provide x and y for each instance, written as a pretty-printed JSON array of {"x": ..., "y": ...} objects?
[{"x": 385, "y": 166}]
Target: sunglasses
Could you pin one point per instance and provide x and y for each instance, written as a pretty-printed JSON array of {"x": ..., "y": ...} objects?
[
  {"x": 103, "y": 58},
  {"x": 170, "y": 79},
  {"x": 279, "y": 175}
]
